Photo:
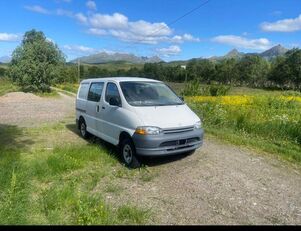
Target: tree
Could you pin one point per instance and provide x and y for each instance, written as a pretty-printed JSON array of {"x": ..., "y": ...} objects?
[
  {"x": 36, "y": 63},
  {"x": 286, "y": 70},
  {"x": 226, "y": 71},
  {"x": 253, "y": 70}
]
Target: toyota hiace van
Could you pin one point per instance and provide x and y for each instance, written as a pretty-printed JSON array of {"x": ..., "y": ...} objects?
[{"x": 140, "y": 116}]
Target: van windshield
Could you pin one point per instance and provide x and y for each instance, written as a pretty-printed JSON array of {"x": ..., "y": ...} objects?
[{"x": 149, "y": 94}]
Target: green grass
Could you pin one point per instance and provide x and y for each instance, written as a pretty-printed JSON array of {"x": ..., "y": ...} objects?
[
  {"x": 71, "y": 87},
  {"x": 7, "y": 86},
  {"x": 48, "y": 94},
  {"x": 47, "y": 179}
]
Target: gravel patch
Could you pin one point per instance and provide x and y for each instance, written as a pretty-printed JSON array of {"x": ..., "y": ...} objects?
[
  {"x": 218, "y": 184},
  {"x": 29, "y": 110}
]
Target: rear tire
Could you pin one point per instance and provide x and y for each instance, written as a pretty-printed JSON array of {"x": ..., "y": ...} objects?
[
  {"x": 128, "y": 153},
  {"x": 83, "y": 129}
]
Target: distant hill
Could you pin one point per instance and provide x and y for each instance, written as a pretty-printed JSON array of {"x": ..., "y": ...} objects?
[
  {"x": 234, "y": 54},
  {"x": 105, "y": 57},
  {"x": 268, "y": 54},
  {"x": 274, "y": 52},
  {"x": 5, "y": 59}
]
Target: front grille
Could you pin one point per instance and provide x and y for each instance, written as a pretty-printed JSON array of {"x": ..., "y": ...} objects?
[
  {"x": 179, "y": 142},
  {"x": 177, "y": 130}
]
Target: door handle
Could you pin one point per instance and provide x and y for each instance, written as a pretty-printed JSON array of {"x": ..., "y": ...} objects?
[
  {"x": 97, "y": 108},
  {"x": 103, "y": 107}
]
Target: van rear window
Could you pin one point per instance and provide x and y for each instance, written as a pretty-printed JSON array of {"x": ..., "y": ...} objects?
[
  {"x": 83, "y": 91},
  {"x": 95, "y": 92}
]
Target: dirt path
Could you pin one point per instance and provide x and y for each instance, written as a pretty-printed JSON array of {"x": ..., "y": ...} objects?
[{"x": 218, "y": 184}]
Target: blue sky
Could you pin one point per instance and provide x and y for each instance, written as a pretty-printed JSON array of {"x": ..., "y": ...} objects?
[{"x": 82, "y": 27}]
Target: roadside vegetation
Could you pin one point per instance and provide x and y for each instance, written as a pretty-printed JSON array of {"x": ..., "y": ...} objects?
[{"x": 43, "y": 180}]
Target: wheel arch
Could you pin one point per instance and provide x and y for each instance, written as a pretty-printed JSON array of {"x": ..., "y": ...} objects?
[{"x": 124, "y": 135}]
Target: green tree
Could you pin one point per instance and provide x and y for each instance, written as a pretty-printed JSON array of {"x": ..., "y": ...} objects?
[
  {"x": 226, "y": 71},
  {"x": 36, "y": 63},
  {"x": 253, "y": 70},
  {"x": 286, "y": 70}
]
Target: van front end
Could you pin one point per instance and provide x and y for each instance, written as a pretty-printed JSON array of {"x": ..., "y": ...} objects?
[{"x": 168, "y": 141}]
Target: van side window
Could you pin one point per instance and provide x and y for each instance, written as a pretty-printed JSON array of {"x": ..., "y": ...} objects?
[
  {"x": 95, "y": 92},
  {"x": 83, "y": 91},
  {"x": 112, "y": 91}
]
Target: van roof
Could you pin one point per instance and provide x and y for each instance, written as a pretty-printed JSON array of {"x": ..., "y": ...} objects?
[{"x": 119, "y": 79}]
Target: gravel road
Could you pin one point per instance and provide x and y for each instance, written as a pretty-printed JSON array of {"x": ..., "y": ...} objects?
[{"x": 218, "y": 184}]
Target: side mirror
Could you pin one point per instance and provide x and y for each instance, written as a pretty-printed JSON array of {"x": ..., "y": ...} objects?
[
  {"x": 114, "y": 101},
  {"x": 182, "y": 98}
]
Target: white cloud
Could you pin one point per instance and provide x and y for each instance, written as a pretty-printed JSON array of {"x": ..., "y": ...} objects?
[
  {"x": 184, "y": 38},
  {"x": 119, "y": 26},
  {"x": 96, "y": 31},
  {"x": 284, "y": 25},
  {"x": 79, "y": 49},
  {"x": 81, "y": 18},
  {"x": 105, "y": 21},
  {"x": 63, "y": 12},
  {"x": 5, "y": 37},
  {"x": 37, "y": 9},
  {"x": 168, "y": 51},
  {"x": 241, "y": 42},
  {"x": 91, "y": 5}
]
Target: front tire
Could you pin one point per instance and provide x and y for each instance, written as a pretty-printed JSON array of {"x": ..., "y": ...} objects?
[
  {"x": 83, "y": 129},
  {"x": 128, "y": 153}
]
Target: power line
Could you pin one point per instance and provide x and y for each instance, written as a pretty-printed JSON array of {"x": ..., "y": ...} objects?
[
  {"x": 189, "y": 12},
  {"x": 181, "y": 17}
]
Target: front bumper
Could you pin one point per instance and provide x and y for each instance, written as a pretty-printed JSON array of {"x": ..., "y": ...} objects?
[{"x": 168, "y": 144}]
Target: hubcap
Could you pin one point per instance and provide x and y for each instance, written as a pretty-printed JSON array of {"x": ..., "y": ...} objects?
[
  {"x": 127, "y": 153},
  {"x": 83, "y": 129}
]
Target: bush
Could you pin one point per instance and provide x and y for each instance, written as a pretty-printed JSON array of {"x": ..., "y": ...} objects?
[
  {"x": 191, "y": 88},
  {"x": 194, "y": 88},
  {"x": 2, "y": 71}
]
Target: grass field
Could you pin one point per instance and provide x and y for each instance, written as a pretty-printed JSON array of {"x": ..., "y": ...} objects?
[{"x": 45, "y": 181}]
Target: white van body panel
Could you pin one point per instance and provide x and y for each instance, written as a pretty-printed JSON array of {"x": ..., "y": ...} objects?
[
  {"x": 167, "y": 116},
  {"x": 108, "y": 122}
]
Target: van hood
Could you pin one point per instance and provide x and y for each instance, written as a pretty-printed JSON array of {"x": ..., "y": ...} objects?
[{"x": 167, "y": 116}]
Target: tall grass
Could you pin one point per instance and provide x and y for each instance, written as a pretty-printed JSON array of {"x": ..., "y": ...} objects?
[{"x": 274, "y": 120}]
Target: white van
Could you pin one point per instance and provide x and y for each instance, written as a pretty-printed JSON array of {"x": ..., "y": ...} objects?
[{"x": 140, "y": 116}]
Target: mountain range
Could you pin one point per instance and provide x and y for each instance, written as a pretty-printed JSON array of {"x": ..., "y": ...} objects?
[
  {"x": 105, "y": 57},
  {"x": 268, "y": 54}
]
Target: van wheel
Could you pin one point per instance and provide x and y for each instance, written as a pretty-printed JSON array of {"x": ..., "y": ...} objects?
[
  {"x": 83, "y": 129},
  {"x": 128, "y": 153}
]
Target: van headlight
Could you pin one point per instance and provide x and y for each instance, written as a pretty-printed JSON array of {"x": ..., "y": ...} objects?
[
  {"x": 198, "y": 125},
  {"x": 148, "y": 130}
]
